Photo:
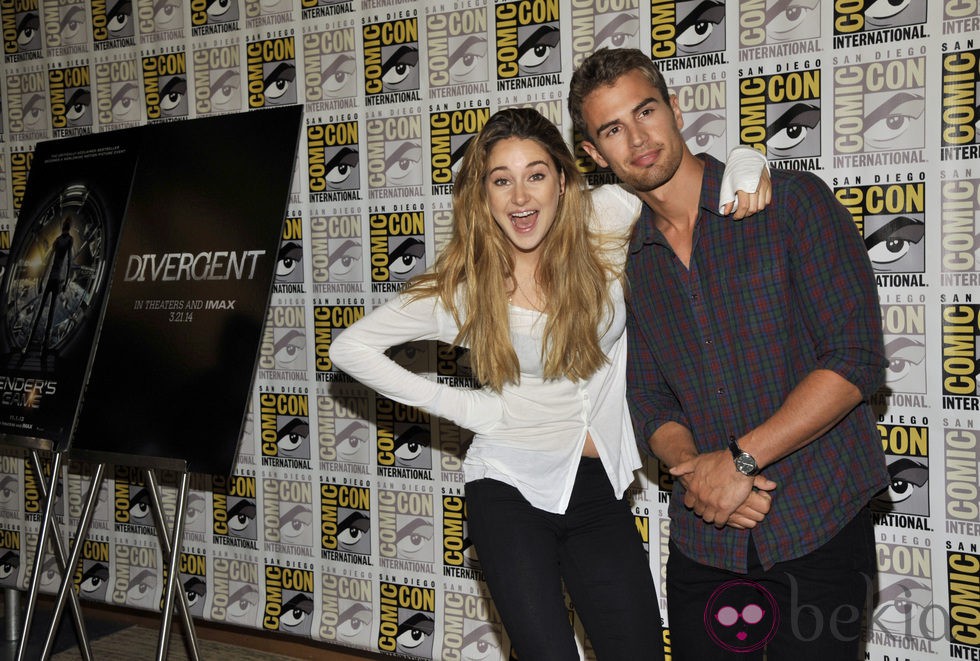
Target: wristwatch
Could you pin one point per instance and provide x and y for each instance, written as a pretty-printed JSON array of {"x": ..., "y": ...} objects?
[{"x": 744, "y": 462}]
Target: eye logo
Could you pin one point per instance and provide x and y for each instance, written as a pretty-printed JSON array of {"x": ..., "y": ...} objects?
[{"x": 741, "y": 616}]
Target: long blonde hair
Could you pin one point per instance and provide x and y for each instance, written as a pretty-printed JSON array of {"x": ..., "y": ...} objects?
[{"x": 470, "y": 275}]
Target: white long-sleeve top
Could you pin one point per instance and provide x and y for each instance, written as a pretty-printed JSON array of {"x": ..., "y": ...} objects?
[{"x": 531, "y": 434}]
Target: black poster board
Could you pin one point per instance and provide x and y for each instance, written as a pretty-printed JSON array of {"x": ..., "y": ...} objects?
[
  {"x": 54, "y": 287},
  {"x": 196, "y": 262}
]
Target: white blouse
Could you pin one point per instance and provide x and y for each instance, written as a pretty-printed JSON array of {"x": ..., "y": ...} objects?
[{"x": 530, "y": 435}]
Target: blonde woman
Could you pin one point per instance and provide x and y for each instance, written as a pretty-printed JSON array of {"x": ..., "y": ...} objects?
[{"x": 531, "y": 283}]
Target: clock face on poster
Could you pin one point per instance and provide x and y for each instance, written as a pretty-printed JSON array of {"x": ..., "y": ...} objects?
[{"x": 56, "y": 269}]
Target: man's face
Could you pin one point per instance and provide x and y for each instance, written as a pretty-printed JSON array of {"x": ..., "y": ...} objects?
[{"x": 635, "y": 131}]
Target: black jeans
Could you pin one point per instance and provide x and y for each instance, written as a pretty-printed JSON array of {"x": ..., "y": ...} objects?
[
  {"x": 594, "y": 547},
  {"x": 807, "y": 608}
]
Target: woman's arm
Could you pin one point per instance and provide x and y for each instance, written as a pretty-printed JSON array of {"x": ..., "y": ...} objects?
[{"x": 360, "y": 352}]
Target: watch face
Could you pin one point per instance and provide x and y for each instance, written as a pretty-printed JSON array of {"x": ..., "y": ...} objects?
[
  {"x": 57, "y": 270},
  {"x": 745, "y": 464}
]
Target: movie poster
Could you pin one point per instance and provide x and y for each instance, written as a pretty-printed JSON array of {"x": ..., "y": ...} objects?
[
  {"x": 56, "y": 279},
  {"x": 190, "y": 293}
]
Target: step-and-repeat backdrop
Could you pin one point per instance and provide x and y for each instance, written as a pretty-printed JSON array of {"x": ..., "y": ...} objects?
[{"x": 344, "y": 520}]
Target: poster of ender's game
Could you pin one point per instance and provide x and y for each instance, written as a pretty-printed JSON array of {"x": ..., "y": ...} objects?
[{"x": 55, "y": 282}]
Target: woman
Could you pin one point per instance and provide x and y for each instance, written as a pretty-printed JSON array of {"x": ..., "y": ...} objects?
[{"x": 534, "y": 291}]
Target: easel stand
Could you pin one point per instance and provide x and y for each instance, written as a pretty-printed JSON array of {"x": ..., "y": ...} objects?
[
  {"x": 169, "y": 539},
  {"x": 66, "y": 566}
]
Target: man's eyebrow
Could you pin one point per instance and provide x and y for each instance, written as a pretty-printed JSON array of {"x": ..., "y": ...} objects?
[{"x": 603, "y": 127}]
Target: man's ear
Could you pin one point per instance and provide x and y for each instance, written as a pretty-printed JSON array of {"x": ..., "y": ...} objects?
[{"x": 591, "y": 150}]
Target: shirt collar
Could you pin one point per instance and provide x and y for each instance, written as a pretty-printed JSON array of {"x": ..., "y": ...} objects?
[{"x": 647, "y": 233}]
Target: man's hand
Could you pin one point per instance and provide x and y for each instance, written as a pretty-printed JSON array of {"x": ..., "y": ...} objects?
[
  {"x": 747, "y": 203},
  {"x": 756, "y": 506},
  {"x": 715, "y": 490}
]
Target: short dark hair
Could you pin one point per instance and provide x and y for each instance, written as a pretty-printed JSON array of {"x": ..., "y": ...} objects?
[{"x": 603, "y": 68}]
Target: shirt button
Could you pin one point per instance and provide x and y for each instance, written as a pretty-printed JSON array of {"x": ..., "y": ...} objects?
[
  {"x": 707, "y": 341},
  {"x": 694, "y": 297},
  {"x": 721, "y": 391}
]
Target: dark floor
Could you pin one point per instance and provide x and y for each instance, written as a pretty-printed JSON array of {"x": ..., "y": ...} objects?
[{"x": 96, "y": 625}]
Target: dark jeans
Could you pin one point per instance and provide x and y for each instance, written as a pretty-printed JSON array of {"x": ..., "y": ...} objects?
[
  {"x": 811, "y": 607},
  {"x": 595, "y": 547}
]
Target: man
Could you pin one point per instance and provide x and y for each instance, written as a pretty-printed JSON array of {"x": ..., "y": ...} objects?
[{"x": 754, "y": 347}]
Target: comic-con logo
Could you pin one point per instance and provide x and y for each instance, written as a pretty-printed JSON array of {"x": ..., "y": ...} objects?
[
  {"x": 271, "y": 67},
  {"x": 192, "y": 571},
  {"x": 407, "y": 619},
  {"x": 287, "y": 514},
  {"x": 329, "y": 68},
  {"x": 282, "y": 353},
  {"x": 528, "y": 35},
  {"x": 962, "y": 482},
  {"x": 112, "y": 23},
  {"x": 856, "y": 21},
  {"x": 391, "y": 61},
  {"x": 471, "y": 627},
  {"x": 91, "y": 578},
  {"x": 117, "y": 93},
  {"x": 960, "y": 330},
  {"x": 779, "y": 115},
  {"x": 345, "y": 522},
  {"x": 33, "y": 496},
  {"x": 404, "y": 445},
  {"x": 21, "y": 29},
  {"x": 597, "y": 24},
  {"x": 705, "y": 125},
  {"x": 70, "y": 91},
  {"x": 337, "y": 248},
  {"x": 165, "y": 86},
  {"x": 289, "y": 260},
  {"x": 284, "y": 422},
  {"x": 65, "y": 27},
  {"x": 960, "y": 231},
  {"x": 450, "y": 132},
  {"x": 27, "y": 105},
  {"x": 459, "y": 558},
  {"x": 960, "y": 79},
  {"x": 458, "y": 52},
  {"x": 405, "y": 530},
  {"x": 20, "y": 167},
  {"x": 288, "y": 600},
  {"x": 907, "y": 454},
  {"x": 135, "y": 581},
  {"x": 333, "y": 157},
  {"x": 234, "y": 511},
  {"x": 394, "y": 156},
  {"x": 347, "y": 611},
  {"x": 682, "y": 29},
  {"x": 963, "y": 574},
  {"x": 904, "y": 609},
  {"x": 10, "y": 492},
  {"x": 214, "y": 16},
  {"x": 342, "y": 433},
  {"x": 10, "y": 558},
  {"x": 904, "y": 330},
  {"x": 317, "y": 8},
  {"x": 158, "y": 21},
  {"x": 397, "y": 248},
  {"x": 768, "y": 23},
  {"x": 328, "y": 320},
  {"x": 879, "y": 108},
  {"x": 235, "y": 591},
  {"x": 217, "y": 79}
]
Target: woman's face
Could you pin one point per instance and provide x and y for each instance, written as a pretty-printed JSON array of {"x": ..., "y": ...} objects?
[{"x": 523, "y": 187}]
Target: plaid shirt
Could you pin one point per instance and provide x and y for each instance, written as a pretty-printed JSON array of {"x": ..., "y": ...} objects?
[{"x": 718, "y": 347}]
